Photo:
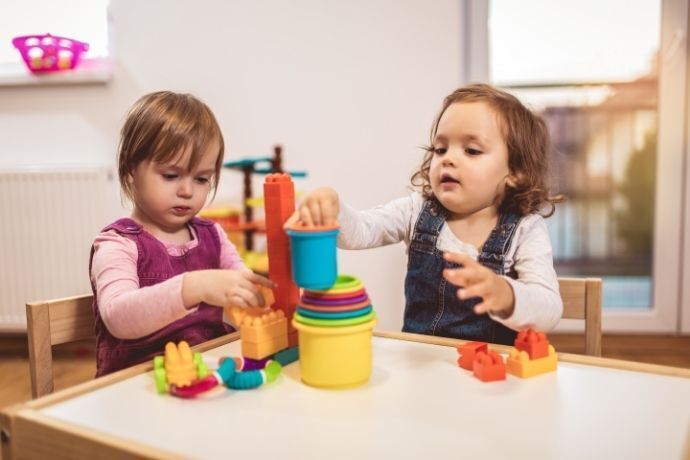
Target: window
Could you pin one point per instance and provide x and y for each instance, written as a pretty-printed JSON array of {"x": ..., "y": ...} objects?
[{"x": 596, "y": 82}]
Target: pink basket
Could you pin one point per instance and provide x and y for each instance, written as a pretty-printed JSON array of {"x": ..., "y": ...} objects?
[{"x": 49, "y": 53}]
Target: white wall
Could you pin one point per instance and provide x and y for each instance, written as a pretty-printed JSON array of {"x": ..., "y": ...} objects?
[{"x": 348, "y": 88}]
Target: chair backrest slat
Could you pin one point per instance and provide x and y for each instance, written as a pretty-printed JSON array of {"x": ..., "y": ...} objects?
[
  {"x": 582, "y": 300},
  {"x": 51, "y": 323}
]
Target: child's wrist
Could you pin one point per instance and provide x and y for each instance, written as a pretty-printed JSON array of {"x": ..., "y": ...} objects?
[
  {"x": 509, "y": 303},
  {"x": 191, "y": 290}
]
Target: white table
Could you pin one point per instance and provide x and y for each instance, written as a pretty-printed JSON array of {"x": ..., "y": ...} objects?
[{"x": 418, "y": 404}]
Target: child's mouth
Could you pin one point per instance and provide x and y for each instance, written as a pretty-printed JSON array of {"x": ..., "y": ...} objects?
[
  {"x": 181, "y": 209},
  {"x": 449, "y": 180}
]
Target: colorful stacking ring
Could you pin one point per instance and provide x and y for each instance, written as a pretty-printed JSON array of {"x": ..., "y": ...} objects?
[
  {"x": 334, "y": 302},
  {"x": 351, "y": 307},
  {"x": 346, "y": 303},
  {"x": 318, "y": 295},
  {"x": 344, "y": 284},
  {"x": 334, "y": 322},
  {"x": 335, "y": 315}
]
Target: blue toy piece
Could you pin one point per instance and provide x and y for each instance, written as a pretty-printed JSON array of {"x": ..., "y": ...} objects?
[{"x": 314, "y": 258}]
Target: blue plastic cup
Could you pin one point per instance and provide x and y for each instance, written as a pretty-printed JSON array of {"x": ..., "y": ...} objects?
[{"x": 314, "y": 258}]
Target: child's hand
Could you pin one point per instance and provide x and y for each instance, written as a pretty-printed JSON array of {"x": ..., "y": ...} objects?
[
  {"x": 224, "y": 287},
  {"x": 319, "y": 207},
  {"x": 476, "y": 280}
]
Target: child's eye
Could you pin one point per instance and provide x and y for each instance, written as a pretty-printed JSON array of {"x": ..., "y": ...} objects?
[
  {"x": 169, "y": 176},
  {"x": 471, "y": 151},
  {"x": 439, "y": 150},
  {"x": 203, "y": 180}
]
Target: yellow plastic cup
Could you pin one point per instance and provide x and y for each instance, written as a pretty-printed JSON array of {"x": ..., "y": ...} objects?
[{"x": 335, "y": 357}]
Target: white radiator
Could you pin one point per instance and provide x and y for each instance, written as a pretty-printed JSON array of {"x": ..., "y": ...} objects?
[{"x": 49, "y": 220}]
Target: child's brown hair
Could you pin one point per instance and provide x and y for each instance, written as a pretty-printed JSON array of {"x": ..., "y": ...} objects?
[
  {"x": 527, "y": 138},
  {"x": 160, "y": 126}
]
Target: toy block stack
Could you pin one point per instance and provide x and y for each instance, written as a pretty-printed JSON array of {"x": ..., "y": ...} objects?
[
  {"x": 532, "y": 355},
  {"x": 486, "y": 365},
  {"x": 264, "y": 331},
  {"x": 279, "y": 201}
]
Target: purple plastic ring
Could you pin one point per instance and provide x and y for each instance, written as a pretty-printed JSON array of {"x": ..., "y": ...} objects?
[{"x": 316, "y": 301}]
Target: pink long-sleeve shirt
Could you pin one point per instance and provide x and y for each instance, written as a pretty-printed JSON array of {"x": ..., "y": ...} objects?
[{"x": 131, "y": 312}]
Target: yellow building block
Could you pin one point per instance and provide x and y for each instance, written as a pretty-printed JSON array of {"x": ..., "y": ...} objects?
[
  {"x": 520, "y": 365},
  {"x": 260, "y": 350},
  {"x": 180, "y": 368},
  {"x": 264, "y": 328},
  {"x": 263, "y": 331}
]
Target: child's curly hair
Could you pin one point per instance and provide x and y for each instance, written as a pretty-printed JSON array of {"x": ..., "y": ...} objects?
[{"x": 527, "y": 139}]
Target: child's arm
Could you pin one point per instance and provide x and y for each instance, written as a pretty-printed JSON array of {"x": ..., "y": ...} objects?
[
  {"x": 131, "y": 312},
  {"x": 533, "y": 299},
  {"x": 380, "y": 226}
]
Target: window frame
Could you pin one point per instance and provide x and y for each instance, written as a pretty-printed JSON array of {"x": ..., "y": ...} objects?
[{"x": 670, "y": 309}]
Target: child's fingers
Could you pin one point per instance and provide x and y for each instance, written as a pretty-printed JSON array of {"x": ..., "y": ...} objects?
[
  {"x": 462, "y": 276},
  {"x": 236, "y": 300},
  {"x": 292, "y": 220},
  {"x": 328, "y": 212},
  {"x": 262, "y": 280},
  {"x": 250, "y": 296},
  {"x": 475, "y": 290},
  {"x": 481, "y": 308},
  {"x": 315, "y": 210},
  {"x": 459, "y": 258},
  {"x": 305, "y": 216}
]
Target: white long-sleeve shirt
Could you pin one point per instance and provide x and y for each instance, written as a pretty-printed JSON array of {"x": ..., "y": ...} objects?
[{"x": 538, "y": 303}]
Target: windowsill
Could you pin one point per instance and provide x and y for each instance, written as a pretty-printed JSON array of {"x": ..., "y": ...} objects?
[{"x": 88, "y": 72}]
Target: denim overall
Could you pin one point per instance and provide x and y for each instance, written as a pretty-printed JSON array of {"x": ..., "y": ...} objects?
[
  {"x": 155, "y": 265},
  {"x": 431, "y": 303}
]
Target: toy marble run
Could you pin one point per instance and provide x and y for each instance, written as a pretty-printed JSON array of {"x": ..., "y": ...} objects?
[
  {"x": 269, "y": 341},
  {"x": 532, "y": 355}
]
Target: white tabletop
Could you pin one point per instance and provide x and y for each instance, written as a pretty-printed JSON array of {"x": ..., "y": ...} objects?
[{"x": 418, "y": 404}]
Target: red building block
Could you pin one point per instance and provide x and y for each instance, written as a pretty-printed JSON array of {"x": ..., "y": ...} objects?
[
  {"x": 279, "y": 203},
  {"x": 534, "y": 343},
  {"x": 489, "y": 367},
  {"x": 468, "y": 351}
]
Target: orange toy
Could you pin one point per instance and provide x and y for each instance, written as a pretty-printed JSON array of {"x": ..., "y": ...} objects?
[
  {"x": 534, "y": 343},
  {"x": 468, "y": 351},
  {"x": 279, "y": 200},
  {"x": 489, "y": 367}
]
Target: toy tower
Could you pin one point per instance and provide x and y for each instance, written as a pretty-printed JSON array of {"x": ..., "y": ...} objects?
[{"x": 279, "y": 202}]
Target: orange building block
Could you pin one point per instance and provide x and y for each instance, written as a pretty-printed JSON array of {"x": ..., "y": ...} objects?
[
  {"x": 263, "y": 331},
  {"x": 279, "y": 203},
  {"x": 520, "y": 365},
  {"x": 489, "y": 367},
  {"x": 534, "y": 343},
  {"x": 468, "y": 351}
]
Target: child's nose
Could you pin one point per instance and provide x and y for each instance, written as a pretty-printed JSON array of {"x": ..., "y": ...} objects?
[{"x": 185, "y": 188}]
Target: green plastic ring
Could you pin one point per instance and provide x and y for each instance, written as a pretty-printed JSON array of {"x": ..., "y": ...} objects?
[{"x": 334, "y": 322}]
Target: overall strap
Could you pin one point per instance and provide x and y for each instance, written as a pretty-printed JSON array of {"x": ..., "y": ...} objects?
[
  {"x": 429, "y": 224},
  {"x": 495, "y": 248}
]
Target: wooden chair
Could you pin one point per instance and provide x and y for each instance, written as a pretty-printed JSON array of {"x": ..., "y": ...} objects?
[
  {"x": 582, "y": 300},
  {"x": 53, "y": 322}
]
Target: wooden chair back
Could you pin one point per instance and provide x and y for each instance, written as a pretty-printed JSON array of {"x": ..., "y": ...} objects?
[
  {"x": 53, "y": 322},
  {"x": 582, "y": 300}
]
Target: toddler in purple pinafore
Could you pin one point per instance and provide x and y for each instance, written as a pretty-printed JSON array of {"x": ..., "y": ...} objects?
[
  {"x": 161, "y": 275},
  {"x": 154, "y": 265}
]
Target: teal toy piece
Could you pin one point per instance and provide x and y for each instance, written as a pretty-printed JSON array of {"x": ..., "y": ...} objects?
[
  {"x": 287, "y": 356},
  {"x": 314, "y": 258}
]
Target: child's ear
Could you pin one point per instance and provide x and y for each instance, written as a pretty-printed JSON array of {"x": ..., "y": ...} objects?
[{"x": 511, "y": 181}]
